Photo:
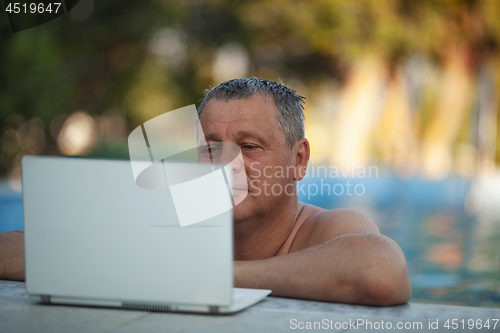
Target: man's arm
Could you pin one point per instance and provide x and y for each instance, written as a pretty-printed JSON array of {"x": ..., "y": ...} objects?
[
  {"x": 340, "y": 257},
  {"x": 12, "y": 255}
]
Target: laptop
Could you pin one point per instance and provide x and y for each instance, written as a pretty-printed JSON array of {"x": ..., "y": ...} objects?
[{"x": 95, "y": 238}]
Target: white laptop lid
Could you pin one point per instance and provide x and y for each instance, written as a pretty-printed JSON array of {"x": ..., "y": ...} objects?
[{"x": 91, "y": 232}]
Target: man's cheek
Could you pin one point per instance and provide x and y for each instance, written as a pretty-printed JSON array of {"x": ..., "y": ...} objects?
[
  {"x": 253, "y": 170},
  {"x": 254, "y": 188}
]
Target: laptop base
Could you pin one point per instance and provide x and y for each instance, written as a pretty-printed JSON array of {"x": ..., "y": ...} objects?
[{"x": 242, "y": 299}]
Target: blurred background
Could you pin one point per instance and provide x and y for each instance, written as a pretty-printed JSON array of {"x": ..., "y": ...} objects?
[{"x": 410, "y": 87}]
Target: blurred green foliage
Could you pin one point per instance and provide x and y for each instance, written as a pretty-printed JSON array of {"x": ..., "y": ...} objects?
[{"x": 103, "y": 61}]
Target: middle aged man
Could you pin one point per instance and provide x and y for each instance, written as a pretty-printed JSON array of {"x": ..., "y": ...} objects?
[{"x": 294, "y": 249}]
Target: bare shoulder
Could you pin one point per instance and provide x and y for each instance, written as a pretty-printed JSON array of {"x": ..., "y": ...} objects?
[{"x": 324, "y": 225}]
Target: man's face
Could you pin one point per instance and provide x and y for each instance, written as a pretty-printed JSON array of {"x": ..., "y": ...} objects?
[{"x": 252, "y": 125}]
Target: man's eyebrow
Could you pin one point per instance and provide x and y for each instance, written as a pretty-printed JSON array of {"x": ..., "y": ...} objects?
[
  {"x": 212, "y": 137},
  {"x": 252, "y": 134},
  {"x": 241, "y": 134}
]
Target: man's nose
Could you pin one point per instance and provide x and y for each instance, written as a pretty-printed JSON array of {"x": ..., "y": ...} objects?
[
  {"x": 237, "y": 164},
  {"x": 233, "y": 158}
]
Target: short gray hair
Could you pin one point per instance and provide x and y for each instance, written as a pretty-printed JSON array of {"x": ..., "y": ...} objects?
[{"x": 289, "y": 104}]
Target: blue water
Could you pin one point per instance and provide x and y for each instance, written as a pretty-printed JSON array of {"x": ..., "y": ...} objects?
[{"x": 11, "y": 211}]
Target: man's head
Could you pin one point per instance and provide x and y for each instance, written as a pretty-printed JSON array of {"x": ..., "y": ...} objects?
[
  {"x": 265, "y": 120},
  {"x": 289, "y": 105}
]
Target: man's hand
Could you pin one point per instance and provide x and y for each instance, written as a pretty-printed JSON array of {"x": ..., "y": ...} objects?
[
  {"x": 12, "y": 255},
  {"x": 354, "y": 265}
]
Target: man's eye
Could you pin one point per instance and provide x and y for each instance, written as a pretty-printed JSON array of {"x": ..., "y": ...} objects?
[
  {"x": 207, "y": 150},
  {"x": 249, "y": 147}
]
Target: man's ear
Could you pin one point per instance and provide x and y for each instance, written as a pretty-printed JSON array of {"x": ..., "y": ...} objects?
[{"x": 302, "y": 152}]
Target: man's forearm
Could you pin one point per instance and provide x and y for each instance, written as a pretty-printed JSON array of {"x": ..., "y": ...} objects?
[
  {"x": 12, "y": 255},
  {"x": 355, "y": 268}
]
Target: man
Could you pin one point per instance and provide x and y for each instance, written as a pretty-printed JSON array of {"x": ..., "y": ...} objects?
[{"x": 294, "y": 249}]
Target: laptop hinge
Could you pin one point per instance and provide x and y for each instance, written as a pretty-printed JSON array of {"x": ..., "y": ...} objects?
[
  {"x": 213, "y": 309},
  {"x": 45, "y": 299}
]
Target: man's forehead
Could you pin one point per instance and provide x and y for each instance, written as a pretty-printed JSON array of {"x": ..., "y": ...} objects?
[
  {"x": 258, "y": 104},
  {"x": 255, "y": 116}
]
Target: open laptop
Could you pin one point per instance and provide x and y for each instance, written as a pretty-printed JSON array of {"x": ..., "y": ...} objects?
[{"x": 93, "y": 237}]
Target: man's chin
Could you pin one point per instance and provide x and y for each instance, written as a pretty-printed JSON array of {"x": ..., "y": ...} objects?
[{"x": 243, "y": 210}]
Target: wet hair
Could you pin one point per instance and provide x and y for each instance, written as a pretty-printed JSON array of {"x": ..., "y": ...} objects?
[{"x": 289, "y": 104}]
